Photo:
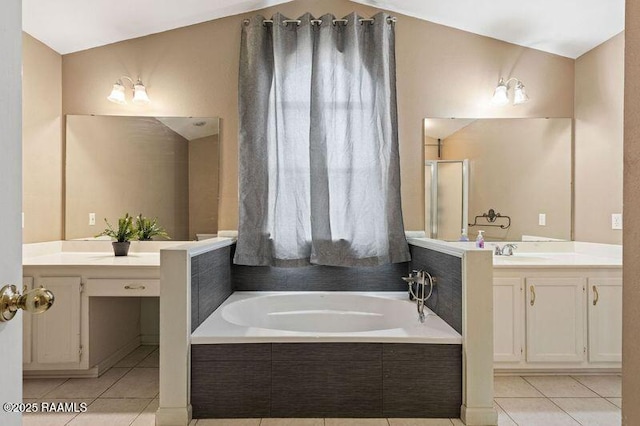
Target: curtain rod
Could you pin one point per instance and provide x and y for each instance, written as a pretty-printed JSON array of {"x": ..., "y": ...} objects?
[{"x": 390, "y": 20}]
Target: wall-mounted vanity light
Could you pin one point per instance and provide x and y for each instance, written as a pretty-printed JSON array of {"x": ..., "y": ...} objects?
[
  {"x": 501, "y": 95},
  {"x": 139, "y": 92}
]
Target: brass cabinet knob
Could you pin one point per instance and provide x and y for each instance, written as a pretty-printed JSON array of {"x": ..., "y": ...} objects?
[{"x": 35, "y": 301}]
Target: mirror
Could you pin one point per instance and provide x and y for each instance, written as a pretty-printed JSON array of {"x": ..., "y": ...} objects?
[
  {"x": 162, "y": 167},
  {"x": 518, "y": 167}
]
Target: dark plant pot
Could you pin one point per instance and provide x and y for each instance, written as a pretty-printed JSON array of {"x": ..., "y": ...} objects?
[{"x": 121, "y": 248}]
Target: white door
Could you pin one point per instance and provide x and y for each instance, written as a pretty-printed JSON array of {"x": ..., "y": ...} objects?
[
  {"x": 605, "y": 319},
  {"x": 556, "y": 317},
  {"x": 11, "y": 200},
  {"x": 507, "y": 319}
]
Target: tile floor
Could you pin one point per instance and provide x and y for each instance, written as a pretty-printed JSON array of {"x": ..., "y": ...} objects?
[{"x": 127, "y": 394}]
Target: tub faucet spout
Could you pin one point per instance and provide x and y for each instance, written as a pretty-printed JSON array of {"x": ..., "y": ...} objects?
[{"x": 420, "y": 278}]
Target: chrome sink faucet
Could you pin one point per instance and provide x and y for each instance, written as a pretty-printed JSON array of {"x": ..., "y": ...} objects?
[{"x": 507, "y": 250}]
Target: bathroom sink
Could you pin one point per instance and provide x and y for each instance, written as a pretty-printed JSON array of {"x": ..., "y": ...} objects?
[{"x": 524, "y": 258}]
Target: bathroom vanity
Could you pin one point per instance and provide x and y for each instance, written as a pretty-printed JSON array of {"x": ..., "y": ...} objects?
[
  {"x": 558, "y": 307},
  {"x": 96, "y": 316}
]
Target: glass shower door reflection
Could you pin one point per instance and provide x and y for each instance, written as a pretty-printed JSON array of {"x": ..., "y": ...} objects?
[{"x": 446, "y": 198}]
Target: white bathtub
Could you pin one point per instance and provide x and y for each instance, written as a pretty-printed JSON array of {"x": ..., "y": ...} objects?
[{"x": 260, "y": 317}]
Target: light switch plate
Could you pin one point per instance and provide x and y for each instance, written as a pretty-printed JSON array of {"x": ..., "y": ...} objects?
[
  {"x": 542, "y": 219},
  {"x": 616, "y": 221},
  {"x": 92, "y": 219}
]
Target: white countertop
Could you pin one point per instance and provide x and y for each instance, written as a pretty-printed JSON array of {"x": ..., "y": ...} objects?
[
  {"x": 555, "y": 260},
  {"x": 93, "y": 259},
  {"x": 100, "y": 253},
  {"x": 537, "y": 254}
]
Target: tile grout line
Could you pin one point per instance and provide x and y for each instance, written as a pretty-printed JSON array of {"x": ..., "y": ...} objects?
[
  {"x": 505, "y": 411},
  {"x": 50, "y": 390},
  {"x": 140, "y": 413},
  {"x": 564, "y": 411},
  {"x": 592, "y": 390},
  {"x": 532, "y": 385}
]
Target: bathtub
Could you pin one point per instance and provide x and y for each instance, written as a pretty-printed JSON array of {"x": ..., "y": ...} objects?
[
  {"x": 292, "y": 317},
  {"x": 324, "y": 354}
]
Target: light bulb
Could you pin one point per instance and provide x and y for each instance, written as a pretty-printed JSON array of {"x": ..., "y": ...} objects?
[
  {"x": 500, "y": 96},
  {"x": 117, "y": 94},
  {"x": 140, "y": 93},
  {"x": 519, "y": 94}
]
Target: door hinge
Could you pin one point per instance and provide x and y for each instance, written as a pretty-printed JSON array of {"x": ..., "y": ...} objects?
[
  {"x": 80, "y": 350},
  {"x": 584, "y": 350},
  {"x": 521, "y": 351},
  {"x": 81, "y": 287}
]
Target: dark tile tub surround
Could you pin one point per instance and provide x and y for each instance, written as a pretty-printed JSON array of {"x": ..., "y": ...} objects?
[
  {"x": 319, "y": 278},
  {"x": 326, "y": 380},
  {"x": 446, "y": 300},
  {"x": 210, "y": 283}
]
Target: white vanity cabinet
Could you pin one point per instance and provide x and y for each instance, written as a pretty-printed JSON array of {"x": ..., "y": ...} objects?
[
  {"x": 57, "y": 334},
  {"x": 557, "y": 319},
  {"x": 95, "y": 319},
  {"x": 605, "y": 319},
  {"x": 508, "y": 319}
]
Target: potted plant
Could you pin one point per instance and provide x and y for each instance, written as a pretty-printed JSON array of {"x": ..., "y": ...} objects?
[
  {"x": 122, "y": 234},
  {"x": 147, "y": 228}
]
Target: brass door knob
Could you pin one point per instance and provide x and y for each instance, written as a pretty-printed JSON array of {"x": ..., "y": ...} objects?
[{"x": 35, "y": 301}]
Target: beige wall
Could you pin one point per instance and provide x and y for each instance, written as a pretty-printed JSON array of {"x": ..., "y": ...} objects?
[
  {"x": 118, "y": 165},
  {"x": 441, "y": 72},
  {"x": 203, "y": 186},
  {"x": 631, "y": 211},
  {"x": 599, "y": 92},
  {"x": 520, "y": 168},
  {"x": 42, "y": 151}
]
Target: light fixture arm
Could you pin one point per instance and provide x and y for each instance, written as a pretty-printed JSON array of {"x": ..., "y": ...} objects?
[
  {"x": 506, "y": 83},
  {"x": 133, "y": 83}
]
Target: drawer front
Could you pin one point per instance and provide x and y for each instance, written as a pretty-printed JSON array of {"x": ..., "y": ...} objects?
[{"x": 120, "y": 287}]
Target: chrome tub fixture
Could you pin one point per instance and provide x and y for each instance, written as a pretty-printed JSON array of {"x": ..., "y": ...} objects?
[{"x": 420, "y": 278}]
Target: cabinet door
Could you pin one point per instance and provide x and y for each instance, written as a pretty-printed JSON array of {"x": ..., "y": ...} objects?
[
  {"x": 58, "y": 329},
  {"x": 605, "y": 319},
  {"x": 555, "y": 319},
  {"x": 507, "y": 319},
  {"x": 27, "y": 282}
]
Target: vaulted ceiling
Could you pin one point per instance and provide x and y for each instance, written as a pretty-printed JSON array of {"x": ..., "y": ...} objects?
[{"x": 564, "y": 27}]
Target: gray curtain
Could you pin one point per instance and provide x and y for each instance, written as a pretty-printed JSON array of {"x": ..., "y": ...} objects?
[{"x": 319, "y": 169}]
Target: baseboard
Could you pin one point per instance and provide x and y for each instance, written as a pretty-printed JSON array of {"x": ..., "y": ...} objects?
[
  {"x": 150, "y": 339},
  {"x": 173, "y": 416},
  {"x": 556, "y": 371},
  {"x": 113, "y": 359},
  {"x": 478, "y": 416},
  {"x": 61, "y": 374}
]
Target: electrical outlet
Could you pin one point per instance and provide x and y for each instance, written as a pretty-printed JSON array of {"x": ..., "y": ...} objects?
[
  {"x": 616, "y": 221},
  {"x": 92, "y": 219},
  {"x": 542, "y": 219}
]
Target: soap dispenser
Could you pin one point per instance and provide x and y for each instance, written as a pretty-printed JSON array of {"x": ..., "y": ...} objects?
[
  {"x": 480, "y": 240},
  {"x": 464, "y": 236}
]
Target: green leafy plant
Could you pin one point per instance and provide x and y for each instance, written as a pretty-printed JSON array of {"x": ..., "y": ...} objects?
[
  {"x": 147, "y": 228},
  {"x": 124, "y": 232}
]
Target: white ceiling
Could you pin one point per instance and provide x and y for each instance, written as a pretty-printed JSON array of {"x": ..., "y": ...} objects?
[
  {"x": 442, "y": 128},
  {"x": 564, "y": 27},
  {"x": 191, "y": 128}
]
